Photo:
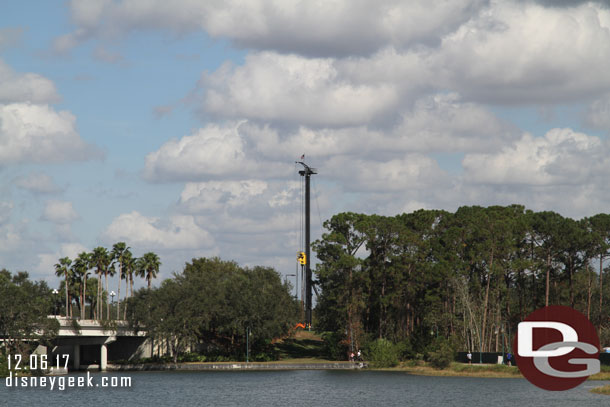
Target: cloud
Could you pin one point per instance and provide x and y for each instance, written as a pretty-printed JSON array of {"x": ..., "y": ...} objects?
[
  {"x": 38, "y": 183},
  {"x": 412, "y": 171},
  {"x": 241, "y": 149},
  {"x": 39, "y": 134},
  {"x": 598, "y": 114},
  {"x": 12, "y": 238},
  {"x": 290, "y": 88},
  {"x": 520, "y": 53},
  {"x": 241, "y": 207},
  {"x": 28, "y": 87},
  {"x": 104, "y": 55},
  {"x": 314, "y": 64},
  {"x": 214, "y": 151},
  {"x": 179, "y": 232},
  {"x": 47, "y": 261},
  {"x": 218, "y": 195},
  {"x": 60, "y": 212},
  {"x": 323, "y": 29},
  {"x": 5, "y": 211},
  {"x": 510, "y": 53},
  {"x": 561, "y": 157},
  {"x": 312, "y": 28},
  {"x": 443, "y": 123}
]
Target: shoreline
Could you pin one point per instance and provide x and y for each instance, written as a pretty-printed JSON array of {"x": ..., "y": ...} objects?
[
  {"x": 236, "y": 366},
  {"x": 476, "y": 370}
]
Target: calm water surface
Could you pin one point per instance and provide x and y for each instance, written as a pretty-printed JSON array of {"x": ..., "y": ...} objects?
[{"x": 305, "y": 388}]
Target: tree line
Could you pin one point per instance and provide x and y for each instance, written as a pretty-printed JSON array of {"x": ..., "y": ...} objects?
[
  {"x": 217, "y": 309},
  {"x": 78, "y": 286},
  {"x": 472, "y": 275},
  {"x": 24, "y": 306}
]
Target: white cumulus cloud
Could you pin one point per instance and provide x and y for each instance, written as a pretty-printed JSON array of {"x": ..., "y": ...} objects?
[
  {"x": 38, "y": 133},
  {"x": 39, "y": 183},
  {"x": 60, "y": 212},
  {"x": 291, "y": 88},
  {"x": 562, "y": 156},
  {"x": 522, "y": 52},
  {"x": 214, "y": 151},
  {"x": 178, "y": 232},
  {"x": 215, "y": 195},
  {"x": 25, "y": 87},
  {"x": 320, "y": 28}
]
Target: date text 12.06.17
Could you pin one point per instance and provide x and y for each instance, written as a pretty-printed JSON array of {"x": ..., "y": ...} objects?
[{"x": 35, "y": 362}]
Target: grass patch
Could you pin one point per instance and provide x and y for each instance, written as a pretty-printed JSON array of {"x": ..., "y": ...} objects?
[
  {"x": 602, "y": 390},
  {"x": 478, "y": 370},
  {"x": 460, "y": 369},
  {"x": 305, "y": 346}
]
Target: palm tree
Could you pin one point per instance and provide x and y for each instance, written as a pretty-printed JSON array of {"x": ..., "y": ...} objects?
[
  {"x": 119, "y": 253},
  {"x": 80, "y": 269},
  {"x": 101, "y": 259},
  {"x": 130, "y": 266},
  {"x": 77, "y": 279},
  {"x": 63, "y": 269},
  {"x": 148, "y": 267}
]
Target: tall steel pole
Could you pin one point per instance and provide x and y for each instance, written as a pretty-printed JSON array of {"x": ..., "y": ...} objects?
[{"x": 307, "y": 172}]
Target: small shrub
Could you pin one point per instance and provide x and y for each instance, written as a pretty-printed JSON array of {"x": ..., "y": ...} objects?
[
  {"x": 262, "y": 357},
  {"x": 191, "y": 357},
  {"x": 335, "y": 348},
  {"x": 383, "y": 353},
  {"x": 4, "y": 372},
  {"x": 405, "y": 349},
  {"x": 441, "y": 353},
  {"x": 411, "y": 363}
]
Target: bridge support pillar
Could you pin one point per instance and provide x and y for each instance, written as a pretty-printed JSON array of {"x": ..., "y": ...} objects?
[
  {"x": 103, "y": 357},
  {"x": 76, "y": 357}
]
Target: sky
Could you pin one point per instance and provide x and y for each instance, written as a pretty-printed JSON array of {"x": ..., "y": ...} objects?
[{"x": 175, "y": 126}]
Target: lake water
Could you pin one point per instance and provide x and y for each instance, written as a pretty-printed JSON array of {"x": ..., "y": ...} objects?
[{"x": 303, "y": 388}]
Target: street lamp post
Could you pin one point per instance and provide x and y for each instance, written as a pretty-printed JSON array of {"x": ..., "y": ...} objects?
[
  {"x": 112, "y": 294},
  {"x": 502, "y": 330},
  {"x": 55, "y": 292},
  {"x": 248, "y": 344}
]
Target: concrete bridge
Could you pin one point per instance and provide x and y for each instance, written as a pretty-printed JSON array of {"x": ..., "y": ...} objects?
[{"x": 89, "y": 344}]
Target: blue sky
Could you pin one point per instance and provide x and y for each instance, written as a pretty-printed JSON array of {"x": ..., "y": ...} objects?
[{"x": 175, "y": 127}]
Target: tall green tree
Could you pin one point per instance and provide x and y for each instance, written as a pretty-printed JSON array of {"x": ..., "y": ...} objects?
[
  {"x": 120, "y": 253},
  {"x": 148, "y": 267},
  {"x": 62, "y": 269},
  {"x": 546, "y": 233},
  {"x": 24, "y": 306},
  {"x": 600, "y": 228},
  {"x": 341, "y": 275},
  {"x": 101, "y": 260},
  {"x": 130, "y": 269},
  {"x": 80, "y": 272}
]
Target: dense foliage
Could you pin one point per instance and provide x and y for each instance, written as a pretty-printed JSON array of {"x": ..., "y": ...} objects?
[
  {"x": 383, "y": 353},
  {"x": 211, "y": 305},
  {"x": 24, "y": 306},
  {"x": 471, "y": 276}
]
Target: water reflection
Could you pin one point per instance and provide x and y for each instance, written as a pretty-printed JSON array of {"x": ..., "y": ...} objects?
[{"x": 307, "y": 388}]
